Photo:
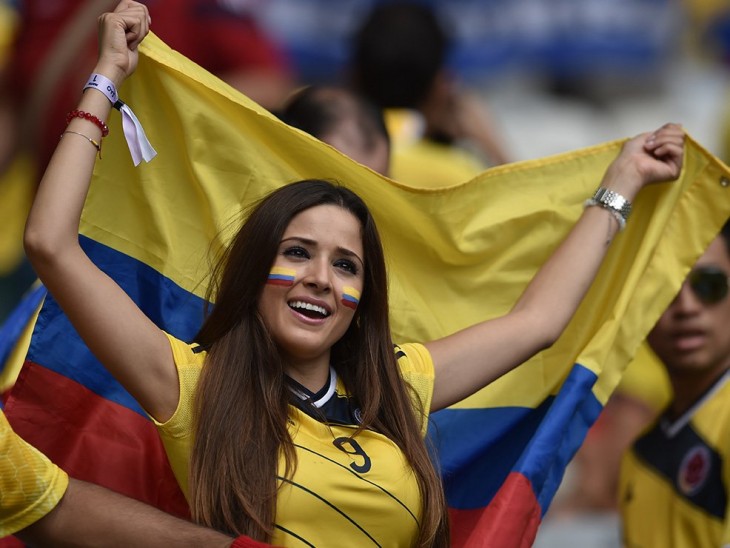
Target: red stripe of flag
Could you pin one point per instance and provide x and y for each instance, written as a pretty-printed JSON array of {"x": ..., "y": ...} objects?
[
  {"x": 92, "y": 438},
  {"x": 510, "y": 520}
]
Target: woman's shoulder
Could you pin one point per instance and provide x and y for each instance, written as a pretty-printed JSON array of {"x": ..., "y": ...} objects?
[
  {"x": 184, "y": 353},
  {"x": 416, "y": 367},
  {"x": 415, "y": 358}
]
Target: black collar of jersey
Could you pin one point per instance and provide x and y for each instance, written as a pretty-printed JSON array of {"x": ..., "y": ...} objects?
[{"x": 325, "y": 405}]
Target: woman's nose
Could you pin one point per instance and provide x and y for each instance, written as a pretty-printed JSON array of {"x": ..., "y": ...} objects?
[{"x": 318, "y": 275}]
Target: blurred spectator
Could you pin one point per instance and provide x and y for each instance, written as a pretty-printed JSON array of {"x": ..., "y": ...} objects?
[
  {"x": 224, "y": 37},
  {"x": 54, "y": 53},
  {"x": 343, "y": 119},
  {"x": 675, "y": 480},
  {"x": 399, "y": 62},
  {"x": 621, "y": 43}
]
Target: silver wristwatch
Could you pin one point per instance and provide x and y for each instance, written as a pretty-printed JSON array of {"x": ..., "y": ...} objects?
[{"x": 612, "y": 201}]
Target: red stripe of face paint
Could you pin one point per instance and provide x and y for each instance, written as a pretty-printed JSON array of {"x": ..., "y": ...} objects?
[{"x": 280, "y": 281}]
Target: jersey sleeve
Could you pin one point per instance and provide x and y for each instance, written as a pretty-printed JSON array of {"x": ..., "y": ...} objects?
[
  {"x": 30, "y": 484},
  {"x": 417, "y": 369},
  {"x": 177, "y": 432}
]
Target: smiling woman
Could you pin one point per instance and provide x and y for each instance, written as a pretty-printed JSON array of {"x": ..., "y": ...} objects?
[
  {"x": 293, "y": 416},
  {"x": 301, "y": 337}
]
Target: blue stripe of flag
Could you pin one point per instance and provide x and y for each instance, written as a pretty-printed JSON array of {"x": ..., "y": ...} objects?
[{"x": 478, "y": 448}]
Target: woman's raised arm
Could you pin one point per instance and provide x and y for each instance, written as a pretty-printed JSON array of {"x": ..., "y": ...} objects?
[
  {"x": 472, "y": 358},
  {"x": 134, "y": 350}
]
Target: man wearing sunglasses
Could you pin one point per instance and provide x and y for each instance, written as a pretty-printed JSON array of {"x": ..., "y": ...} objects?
[{"x": 675, "y": 480}]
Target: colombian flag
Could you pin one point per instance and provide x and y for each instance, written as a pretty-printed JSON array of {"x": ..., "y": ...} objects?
[{"x": 456, "y": 256}]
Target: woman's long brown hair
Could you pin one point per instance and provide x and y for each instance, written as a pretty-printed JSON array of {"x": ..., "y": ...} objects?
[{"x": 242, "y": 398}]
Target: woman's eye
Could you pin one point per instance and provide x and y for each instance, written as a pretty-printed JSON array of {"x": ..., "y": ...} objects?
[
  {"x": 296, "y": 252},
  {"x": 347, "y": 266}
]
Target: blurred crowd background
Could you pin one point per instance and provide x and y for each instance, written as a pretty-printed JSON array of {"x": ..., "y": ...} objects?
[{"x": 553, "y": 75}]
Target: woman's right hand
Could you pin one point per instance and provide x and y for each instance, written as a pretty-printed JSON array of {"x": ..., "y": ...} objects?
[{"x": 120, "y": 33}]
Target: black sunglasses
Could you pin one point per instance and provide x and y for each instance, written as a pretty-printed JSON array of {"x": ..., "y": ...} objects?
[{"x": 709, "y": 283}]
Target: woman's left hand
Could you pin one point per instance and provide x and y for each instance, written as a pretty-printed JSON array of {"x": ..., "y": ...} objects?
[{"x": 647, "y": 158}]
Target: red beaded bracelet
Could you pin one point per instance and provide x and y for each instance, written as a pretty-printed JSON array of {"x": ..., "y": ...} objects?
[{"x": 91, "y": 118}]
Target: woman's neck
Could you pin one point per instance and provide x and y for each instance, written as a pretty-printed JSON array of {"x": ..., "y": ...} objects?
[{"x": 312, "y": 374}]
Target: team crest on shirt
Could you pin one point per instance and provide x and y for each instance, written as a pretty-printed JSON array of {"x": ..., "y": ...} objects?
[{"x": 694, "y": 470}]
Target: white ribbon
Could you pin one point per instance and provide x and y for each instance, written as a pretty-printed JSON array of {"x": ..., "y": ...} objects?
[{"x": 139, "y": 146}]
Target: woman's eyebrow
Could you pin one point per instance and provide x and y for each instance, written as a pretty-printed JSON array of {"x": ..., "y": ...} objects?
[
  {"x": 299, "y": 239},
  {"x": 308, "y": 241}
]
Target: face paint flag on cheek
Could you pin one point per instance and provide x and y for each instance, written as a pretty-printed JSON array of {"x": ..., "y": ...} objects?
[
  {"x": 350, "y": 297},
  {"x": 281, "y": 276}
]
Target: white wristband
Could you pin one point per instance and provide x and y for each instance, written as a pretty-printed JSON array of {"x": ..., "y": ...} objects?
[
  {"x": 106, "y": 86},
  {"x": 139, "y": 146}
]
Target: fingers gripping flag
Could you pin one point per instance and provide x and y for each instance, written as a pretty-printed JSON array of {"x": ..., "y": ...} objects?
[{"x": 456, "y": 256}]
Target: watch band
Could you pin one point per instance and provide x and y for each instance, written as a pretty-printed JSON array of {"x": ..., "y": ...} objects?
[{"x": 612, "y": 201}]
